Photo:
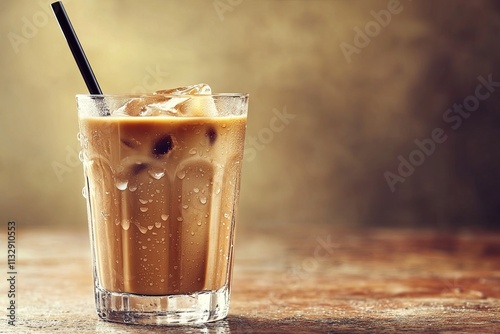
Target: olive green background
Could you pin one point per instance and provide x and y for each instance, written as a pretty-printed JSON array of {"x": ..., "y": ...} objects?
[{"x": 324, "y": 125}]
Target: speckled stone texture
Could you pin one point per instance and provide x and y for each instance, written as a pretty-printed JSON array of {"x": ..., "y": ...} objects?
[{"x": 290, "y": 279}]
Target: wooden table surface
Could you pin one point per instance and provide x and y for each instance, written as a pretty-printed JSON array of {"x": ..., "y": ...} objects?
[{"x": 287, "y": 279}]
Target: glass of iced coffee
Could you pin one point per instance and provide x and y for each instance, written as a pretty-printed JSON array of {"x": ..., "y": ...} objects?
[{"x": 162, "y": 176}]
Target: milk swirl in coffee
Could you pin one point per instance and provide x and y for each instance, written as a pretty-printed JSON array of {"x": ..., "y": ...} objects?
[{"x": 162, "y": 184}]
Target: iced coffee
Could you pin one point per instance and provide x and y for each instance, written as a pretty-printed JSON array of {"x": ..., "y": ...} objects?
[{"x": 162, "y": 181}]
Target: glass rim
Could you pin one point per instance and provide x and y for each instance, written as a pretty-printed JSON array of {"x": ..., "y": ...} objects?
[{"x": 142, "y": 95}]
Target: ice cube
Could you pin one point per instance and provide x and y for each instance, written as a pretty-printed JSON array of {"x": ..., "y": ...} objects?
[
  {"x": 162, "y": 103},
  {"x": 185, "y": 106},
  {"x": 200, "y": 106},
  {"x": 139, "y": 106},
  {"x": 198, "y": 89}
]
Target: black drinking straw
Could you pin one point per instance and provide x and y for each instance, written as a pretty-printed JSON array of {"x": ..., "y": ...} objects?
[{"x": 76, "y": 48}]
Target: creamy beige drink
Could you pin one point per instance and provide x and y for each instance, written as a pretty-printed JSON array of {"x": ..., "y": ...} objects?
[{"x": 162, "y": 190}]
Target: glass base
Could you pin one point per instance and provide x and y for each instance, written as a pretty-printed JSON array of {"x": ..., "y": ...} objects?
[{"x": 194, "y": 308}]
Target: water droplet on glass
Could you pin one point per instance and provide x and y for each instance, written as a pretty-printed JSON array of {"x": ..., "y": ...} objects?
[
  {"x": 132, "y": 188},
  {"x": 217, "y": 192},
  {"x": 179, "y": 219},
  {"x": 125, "y": 224},
  {"x": 156, "y": 174},
  {"x": 105, "y": 215},
  {"x": 192, "y": 233},
  {"x": 81, "y": 156},
  {"x": 144, "y": 247},
  {"x": 181, "y": 174},
  {"x": 143, "y": 209},
  {"x": 142, "y": 229},
  {"x": 203, "y": 200},
  {"x": 185, "y": 206},
  {"x": 143, "y": 201},
  {"x": 84, "y": 192},
  {"x": 226, "y": 215},
  {"x": 158, "y": 225},
  {"x": 199, "y": 224},
  {"x": 196, "y": 190},
  {"x": 150, "y": 227},
  {"x": 164, "y": 217},
  {"x": 192, "y": 151},
  {"x": 121, "y": 184}
]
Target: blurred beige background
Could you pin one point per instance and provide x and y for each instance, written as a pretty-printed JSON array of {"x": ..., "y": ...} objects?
[{"x": 332, "y": 108}]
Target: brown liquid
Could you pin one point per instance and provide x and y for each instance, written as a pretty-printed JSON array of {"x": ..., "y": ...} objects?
[{"x": 162, "y": 194}]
